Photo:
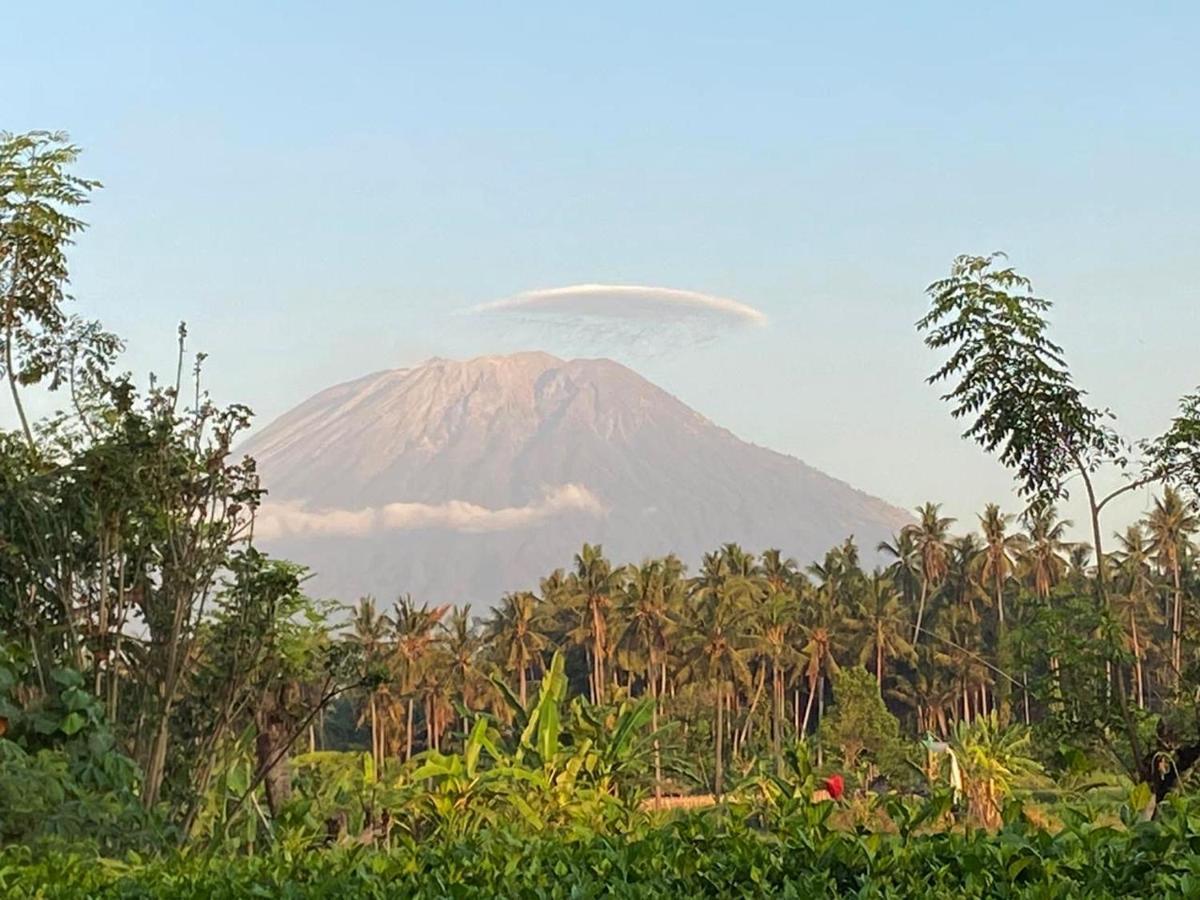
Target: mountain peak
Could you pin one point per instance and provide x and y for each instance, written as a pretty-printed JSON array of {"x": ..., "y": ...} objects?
[
  {"x": 458, "y": 480},
  {"x": 518, "y": 358}
]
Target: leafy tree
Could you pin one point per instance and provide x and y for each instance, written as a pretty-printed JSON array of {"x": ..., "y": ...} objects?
[
  {"x": 38, "y": 191},
  {"x": 859, "y": 722}
]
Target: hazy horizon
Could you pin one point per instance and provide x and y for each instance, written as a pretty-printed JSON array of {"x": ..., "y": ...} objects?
[{"x": 327, "y": 194}]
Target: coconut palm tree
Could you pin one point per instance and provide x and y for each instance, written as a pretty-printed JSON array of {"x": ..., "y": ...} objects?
[
  {"x": 957, "y": 650},
  {"x": 821, "y": 625},
  {"x": 962, "y": 585},
  {"x": 877, "y": 625},
  {"x": 1134, "y": 603},
  {"x": 774, "y": 634},
  {"x": 906, "y": 568},
  {"x": 590, "y": 588},
  {"x": 1171, "y": 524},
  {"x": 514, "y": 633},
  {"x": 462, "y": 642},
  {"x": 997, "y": 562},
  {"x": 780, "y": 574},
  {"x": 368, "y": 633},
  {"x": 414, "y": 632},
  {"x": 930, "y": 692},
  {"x": 646, "y": 606},
  {"x": 715, "y": 644},
  {"x": 1044, "y": 550},
  {"x": 930, "y": 536}
]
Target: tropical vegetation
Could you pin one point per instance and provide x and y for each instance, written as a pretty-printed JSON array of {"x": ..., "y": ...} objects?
[{"x": 1009, "y": 709}]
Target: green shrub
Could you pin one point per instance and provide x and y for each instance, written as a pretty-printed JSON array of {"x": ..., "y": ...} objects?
[{"x": 712, "y": 854}]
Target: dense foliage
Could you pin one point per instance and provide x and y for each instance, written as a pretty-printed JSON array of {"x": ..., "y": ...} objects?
[{"x": 716, "y": 855}]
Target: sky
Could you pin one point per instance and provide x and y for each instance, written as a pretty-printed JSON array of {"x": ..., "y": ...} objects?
[{"x": 322, "y": 190}]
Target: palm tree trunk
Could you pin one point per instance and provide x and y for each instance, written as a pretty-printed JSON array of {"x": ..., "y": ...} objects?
[
  {"x": 921, "y": 610},
  {"x": 1177, "y": 622},
  {"x": 521, "y": 683},
  {"x": 429, "y": 745},
  {"x": 777, "y": 700},
  {"x": 1137, "y": 660},
  {"x": 1000, "y": 599},
  {"x": 654, "y": 729},
  {"x": 591, "y": 661},
  {"x": 820, "y": 717},
  {"x": 719, "y": 767},
  {"x": 879, "y": 662},
  {"x": 598, "y": 638},
  {"x": 408, "y": 732},
  {"x": 802, "y": 731},
  {"x": 758, "y": 692},
  {"x": 374, "y": 732}
]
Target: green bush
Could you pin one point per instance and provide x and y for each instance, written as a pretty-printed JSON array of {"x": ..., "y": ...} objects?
[
  {"x": 713, "y": 854},
  {"x": 62, "y": 777}
]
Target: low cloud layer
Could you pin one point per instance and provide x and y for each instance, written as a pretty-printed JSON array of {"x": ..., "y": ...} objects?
[
  {"x": 294, "y": 519},
  {"x": 619, "y": 318}
]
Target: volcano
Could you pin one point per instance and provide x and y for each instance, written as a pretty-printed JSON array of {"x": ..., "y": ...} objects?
[{"x": 456, "y": 481}]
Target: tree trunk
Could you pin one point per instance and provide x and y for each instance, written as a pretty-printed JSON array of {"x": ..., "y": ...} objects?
[
  {"x": 591, "y": 661},
  {"x": 157, "y": 763},
  {"x": 12, "y": 381},
  {"x": 719, "y": 767},
  {"x": 374, "y": 708},
  {"x": 820, "y": 717},
  {"x": 920, "y": 610},
  {"x": 776, "y": 723},
  {"x": 1137, "y": 661},
  {"x": 650, "y": 682},
  {"x": 812, "y": 695},
  {"x": 1177, "y": 622},
  {"x": 1000, "y": 600},
  {"x": 758, "y": 692},
  {"x": 429, "y": 743},
  {"x": 408, "y": 732},
  {"x": 1025, "y": 693},
  {"x": 274, "y": 735},
  {"x": 521, "y": 685},
  {"x": 598, "y": 638}
]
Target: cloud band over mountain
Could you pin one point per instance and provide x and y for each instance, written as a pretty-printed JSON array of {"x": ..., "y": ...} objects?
[{"x": 296, "y": 520}]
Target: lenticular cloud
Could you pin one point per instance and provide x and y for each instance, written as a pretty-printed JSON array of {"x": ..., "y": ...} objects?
[
  {"x": 622, "y": 316},
  {"x": 627, "y": 301}
]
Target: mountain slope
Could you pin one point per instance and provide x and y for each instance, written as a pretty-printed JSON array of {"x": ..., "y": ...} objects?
[{"x": 457, "y": 481}]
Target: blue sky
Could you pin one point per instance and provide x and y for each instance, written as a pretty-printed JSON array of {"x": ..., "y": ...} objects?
[{"x": 319, "y": 189}]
